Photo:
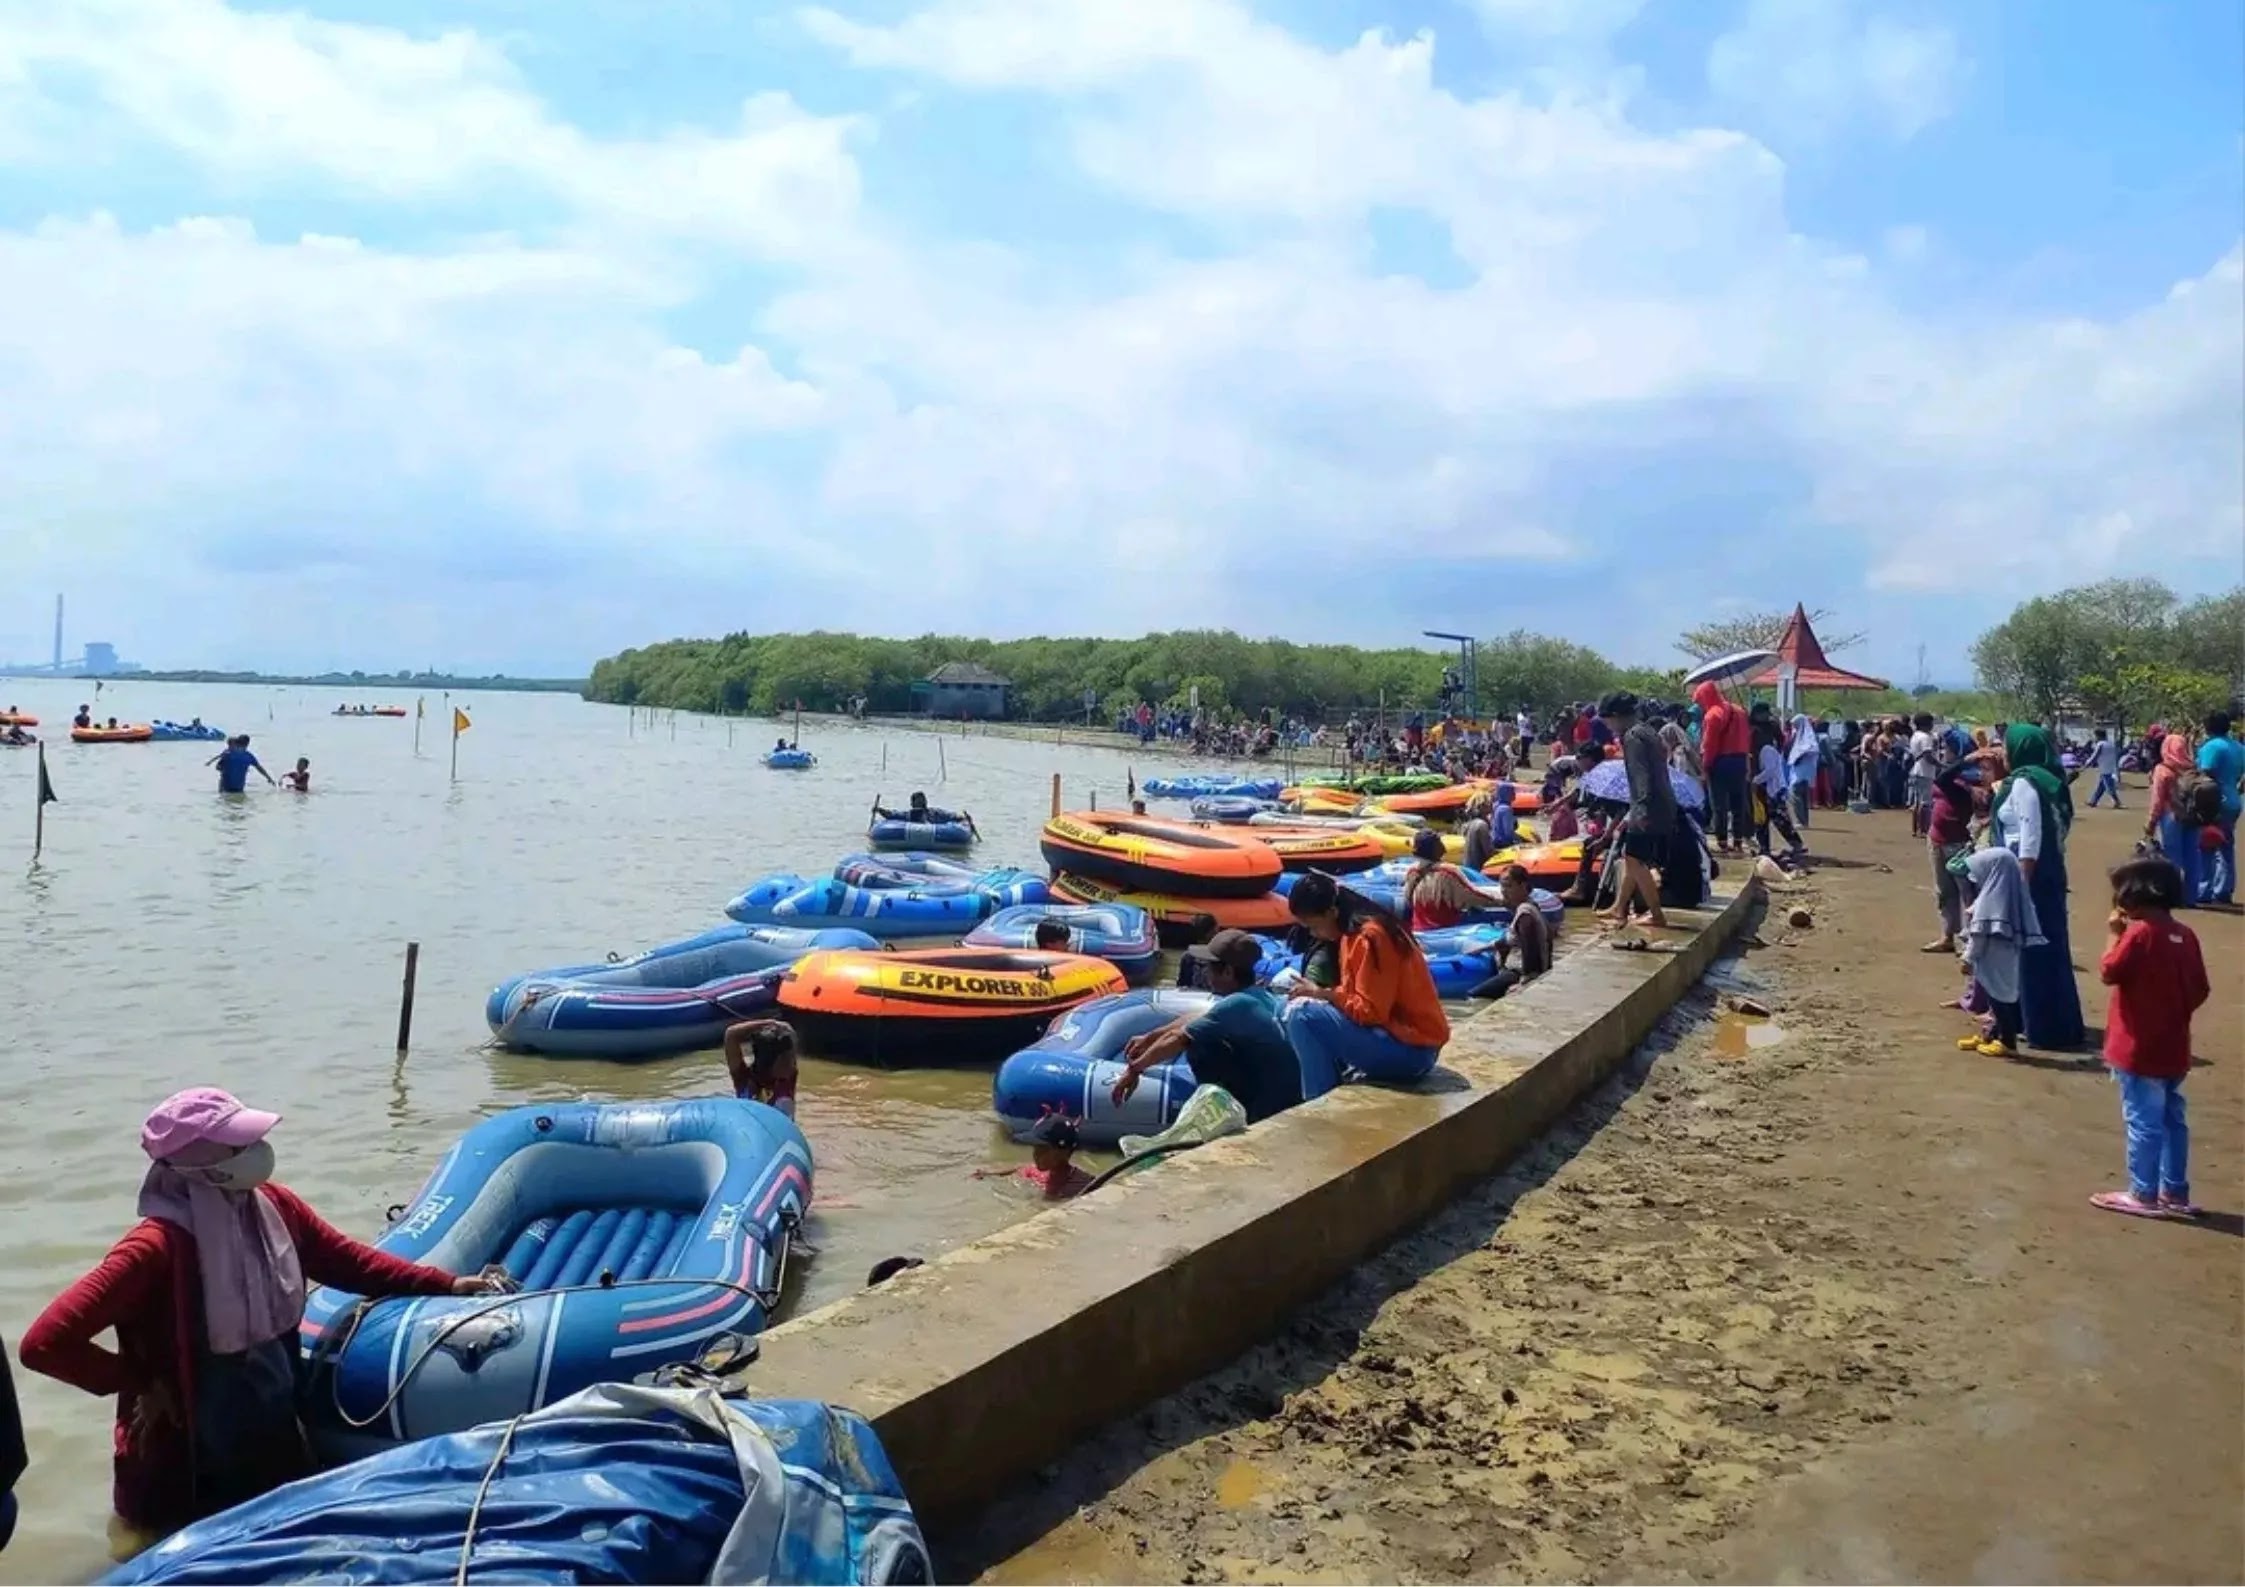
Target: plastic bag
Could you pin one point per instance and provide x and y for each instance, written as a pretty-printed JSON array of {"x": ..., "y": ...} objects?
[{"x": 1209, "y": 1114}]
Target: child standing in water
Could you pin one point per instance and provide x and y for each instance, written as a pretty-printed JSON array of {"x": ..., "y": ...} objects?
[
  {"x": 2158, "y": 980},
  {"x": 760, "y": 1061}
]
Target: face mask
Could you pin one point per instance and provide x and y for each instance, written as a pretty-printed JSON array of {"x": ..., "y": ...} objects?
[{"x": 245, "y": 1170}]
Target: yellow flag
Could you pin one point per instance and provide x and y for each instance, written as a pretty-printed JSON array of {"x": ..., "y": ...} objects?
[{"x": 460, "y": 722}]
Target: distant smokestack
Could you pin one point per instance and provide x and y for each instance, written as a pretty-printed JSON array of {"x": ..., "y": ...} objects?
[{"x": 58, "y": 633}]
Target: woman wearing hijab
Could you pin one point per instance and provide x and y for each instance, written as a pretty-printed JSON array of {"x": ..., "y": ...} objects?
[
  {"x": 2177, "y": 839},
  {"x": 205, "y": 1294},
  {"x": 2001, "y": 929},
  {"x": 2030, "y": 816},
  {"x": 1804, "y": 752},
  {"x": 1681, "y": 755}
]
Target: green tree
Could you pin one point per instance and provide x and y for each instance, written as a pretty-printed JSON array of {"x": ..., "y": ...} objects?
[
  {"x": 2209, "y": 638},
  {"x": 2033, "y": 657},
  {"x": 768, "y": 672},
  {"x": 2123, "y": 649}
]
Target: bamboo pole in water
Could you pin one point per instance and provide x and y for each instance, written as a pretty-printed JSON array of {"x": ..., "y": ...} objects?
[
  {"x": 39, "y": 800},
  {"x": 1056, "y": 794},
  {"x": 405, "y": 999}
]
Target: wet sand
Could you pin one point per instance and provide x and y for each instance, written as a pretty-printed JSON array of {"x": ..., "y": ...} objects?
[{"x": 1811, "y": 1298}]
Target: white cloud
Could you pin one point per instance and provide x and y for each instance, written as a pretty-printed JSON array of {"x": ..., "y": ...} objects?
[
  {"x": 1907, "y": 244},
  {"x": 945, "y": 419},
  {"x": 254, "y": 95},
  {"x": 1807, "y": 68},
  {"x": 2043, "y": 452},
  {"x": 1591, "y": 21}
]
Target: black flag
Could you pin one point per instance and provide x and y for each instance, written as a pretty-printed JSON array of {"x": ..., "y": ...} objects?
[{"x": 46, "y": 785}]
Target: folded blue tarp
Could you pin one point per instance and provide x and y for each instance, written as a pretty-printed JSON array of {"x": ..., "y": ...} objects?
[{"x": 617, "y": 1484}]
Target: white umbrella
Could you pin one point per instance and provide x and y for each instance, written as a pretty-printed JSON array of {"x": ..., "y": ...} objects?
[{"x": 1734, "y": 668}]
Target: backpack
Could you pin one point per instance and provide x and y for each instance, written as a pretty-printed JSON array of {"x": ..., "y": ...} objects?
[{"x": 2198, "y": 799}]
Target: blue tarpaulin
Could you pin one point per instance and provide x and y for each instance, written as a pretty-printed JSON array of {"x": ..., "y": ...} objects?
[{"x": 616, "y": 1484}]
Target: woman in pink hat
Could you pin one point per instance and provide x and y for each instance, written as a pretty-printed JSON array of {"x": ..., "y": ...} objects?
[{"x": 205, "y": 1294}]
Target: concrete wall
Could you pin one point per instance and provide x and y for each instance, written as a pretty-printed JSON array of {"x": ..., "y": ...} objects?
[{"x": 996, "y": 1357}]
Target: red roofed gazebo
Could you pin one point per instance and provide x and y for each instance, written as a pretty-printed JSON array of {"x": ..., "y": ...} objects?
[{"x": 1801, "y": 664}]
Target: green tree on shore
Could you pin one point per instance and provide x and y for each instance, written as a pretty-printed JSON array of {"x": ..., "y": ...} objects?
[
  {"x": 2124, "y": 650},
  {"x": 765, "y": 673}
]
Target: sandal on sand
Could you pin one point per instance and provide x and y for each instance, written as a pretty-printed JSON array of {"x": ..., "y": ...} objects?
[
  {"x": 1939, "y": 947},
  {"x": 2129, "y": 1202},
  {"x": 2177, "y": 1207},
  {"x": 1994, "y": 1049},
  {"x": 1969, "y": 1043}
]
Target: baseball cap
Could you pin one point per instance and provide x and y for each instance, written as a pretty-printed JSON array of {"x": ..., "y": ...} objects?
[
  {"x": 203, "y": 1113},
  {"x": 1055, "y": 1129},
  {"x": 1235, "y": 950}
]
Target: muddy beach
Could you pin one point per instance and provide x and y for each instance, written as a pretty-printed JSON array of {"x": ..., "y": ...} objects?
[{"x": 1805, "y": 1297}]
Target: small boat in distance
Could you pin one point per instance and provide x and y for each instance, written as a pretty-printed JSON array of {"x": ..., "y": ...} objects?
[{"x": 370, "y": 710}]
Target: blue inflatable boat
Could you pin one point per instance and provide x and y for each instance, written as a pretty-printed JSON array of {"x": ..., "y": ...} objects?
[
  {"x": 1210, "y": 787},
  {"x": 1073, "y": 1067},
  {"x": 620, "y": 1483},
  {"x": 891, "y": 916},
  {"x": 641, "y": 1234},
  {"x": 1460, "y": 958},
  {"x": 1383, "y": 884},
  {"x": 937, "y": 829},
  {"x": 1231, "y": 809},
  {"x": 675, "y": 998},
  {"x": 939, "y": 873},
  {"x": 184, "y": 733},
  {"x": 790, "y": 759},
  {"x": 1122, "y": 934}
]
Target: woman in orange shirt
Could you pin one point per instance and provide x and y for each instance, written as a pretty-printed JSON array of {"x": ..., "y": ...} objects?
[{"x": 1383, "y": 1020}]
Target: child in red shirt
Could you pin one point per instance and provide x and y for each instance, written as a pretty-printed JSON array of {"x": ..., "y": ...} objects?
[{"x": 2158, "y": 980}]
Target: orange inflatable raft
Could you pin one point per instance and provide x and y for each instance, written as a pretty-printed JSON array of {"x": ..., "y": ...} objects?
[
  {"x": 1321, "y": 848},
  {"x": 936, "y": 1005},
  {"x": 1553, "y": 865},
  {"x": 1181, "y": 922},
  {"x": 1161, "y": 856},
  {"x": 137, "y": 733},
  {"x": 18, "y": 719},
  {"x": 1448, "y": 804}
]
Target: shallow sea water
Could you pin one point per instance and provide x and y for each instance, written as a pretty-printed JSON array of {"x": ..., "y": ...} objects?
[{"x": 172, "y": 937}]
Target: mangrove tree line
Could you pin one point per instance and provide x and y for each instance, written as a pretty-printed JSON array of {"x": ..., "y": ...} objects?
[{"x": 1052, "y": 678}]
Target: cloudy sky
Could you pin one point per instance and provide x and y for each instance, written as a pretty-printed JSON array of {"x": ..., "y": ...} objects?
[{"x": 506, "y": 333}]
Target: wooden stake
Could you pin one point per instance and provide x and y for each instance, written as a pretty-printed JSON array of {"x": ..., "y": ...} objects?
[
  {"x": 1056, "y": 794},
  {"x": 39, "y": 798},
  {"x": 405, "y": 999}
]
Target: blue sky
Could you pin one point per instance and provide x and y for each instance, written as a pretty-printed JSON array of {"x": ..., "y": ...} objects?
[{"x": 504, "y": 334}]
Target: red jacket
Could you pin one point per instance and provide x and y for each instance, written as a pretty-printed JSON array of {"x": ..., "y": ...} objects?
[
  {"x": 2158, "y": 980},
  {"x": 147, "y": 1289},
  {"x": 1723, "y": 728}
]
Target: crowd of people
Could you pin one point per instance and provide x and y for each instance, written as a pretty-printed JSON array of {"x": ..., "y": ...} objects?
[
  {"x": 1230, "y": 735},
  {"x": 1998, "y": 811}
]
